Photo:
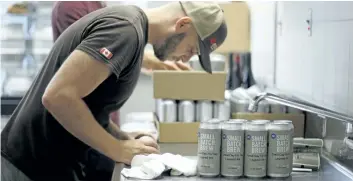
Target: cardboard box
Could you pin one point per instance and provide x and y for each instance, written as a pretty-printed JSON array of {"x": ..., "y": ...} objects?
[
  {"x": 189, "y": 85},
  {"x": 297, "y": 119},
  {"x": 237, "y": 15},
  {"x": 178, "y": 132}
]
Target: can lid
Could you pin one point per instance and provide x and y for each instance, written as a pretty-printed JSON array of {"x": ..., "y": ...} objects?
[
  {"x": 168, "y": 101},
  {"x": 213, "y": 121},
  {"x": 282, "y": 122},
  {"x": 235, "y": 121},
  {"x": 259, "y": 121}
]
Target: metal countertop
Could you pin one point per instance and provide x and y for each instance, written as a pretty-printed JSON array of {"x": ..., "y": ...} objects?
[{"x": 330, "y": 170}]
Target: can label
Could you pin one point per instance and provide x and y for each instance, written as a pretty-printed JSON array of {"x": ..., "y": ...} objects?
[
  {"x": 280, "y": 152},
  {"x": 307, "y": 149},
  {"x": 232, "y": 152},
  {"x": 209, "y": 148},
  {"x": 255, "y": 153}
]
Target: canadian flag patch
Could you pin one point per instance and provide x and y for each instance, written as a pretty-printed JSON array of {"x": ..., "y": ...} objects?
[{"x": 105, "y": 52}]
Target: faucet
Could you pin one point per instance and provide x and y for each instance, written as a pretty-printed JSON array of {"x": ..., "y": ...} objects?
[{"x": 305, "y": 106}]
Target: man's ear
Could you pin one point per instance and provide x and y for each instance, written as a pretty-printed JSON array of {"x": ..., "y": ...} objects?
[{"x": 183, "y": 24}]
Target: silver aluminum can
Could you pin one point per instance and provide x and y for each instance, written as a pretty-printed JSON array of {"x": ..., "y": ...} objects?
[
  {"x": 278, "y": 108},
  {"x": 158, "y": 103},
  {"x": 232, "y": 155},
  {"x": 169, "y": 111},
  {"x": 204, "y": 111},
  {"x": 221, "y": 110},
  {"x": 209, "y": 148},
  {"x": 307, "y": 145},
  {"x": 280, "y": 148},
  {"x": 240, "y": 105},
  {"x": 186, "y": 111},
  {"x": 306, "y": 160},
  {"x": 255, "y": 159},
  {"x": 263, "y": 107}
]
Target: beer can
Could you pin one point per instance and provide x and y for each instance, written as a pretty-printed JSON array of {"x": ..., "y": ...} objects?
[
  {"x": 159, "y": 109},
  {"x": 221, "y": 110},
  {"x": 306, "y": 160},
  {"x": 232, "y": 157},
  {"x": 255, "y": 159},
  {"x": 204, "y": 110},
  {"x": 169, "y": 111},
  {"x": 239, "y": 105},
  {"x": 280, "y": 148},
  {"x": 308, "y": 145},
  {"x": 186, "y": 111},
  {"x": 263, "y": 107},
  {"x": 278, "y": 108},
  {"x": 209, "y": 148}
]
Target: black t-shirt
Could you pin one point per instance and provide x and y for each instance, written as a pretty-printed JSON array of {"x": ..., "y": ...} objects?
[{"x": 33, "y": 140}]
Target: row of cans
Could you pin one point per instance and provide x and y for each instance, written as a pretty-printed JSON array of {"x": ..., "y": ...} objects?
[
  {"x": 191, "y": 111},
  {"x": 242, "y": 105},
  {"x": 237, "y": 148}
]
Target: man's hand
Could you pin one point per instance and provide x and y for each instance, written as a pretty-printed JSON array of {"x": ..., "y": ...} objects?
[
  {"x": 146, "y": 138},
  {"x": 138, "y": 134},
  {"x": 130, "y": 148},
  {"x": 150, "y": 62}
]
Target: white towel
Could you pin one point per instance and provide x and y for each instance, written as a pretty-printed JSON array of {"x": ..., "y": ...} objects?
[{"x": 152, "y": 166}]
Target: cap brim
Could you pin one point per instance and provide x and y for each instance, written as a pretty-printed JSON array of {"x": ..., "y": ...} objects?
[{"x": 204, "y": 57}]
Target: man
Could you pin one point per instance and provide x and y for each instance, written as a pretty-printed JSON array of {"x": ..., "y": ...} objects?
[
  {"x": 91, "y": 71},
  {"x": 65, "y": 13}
]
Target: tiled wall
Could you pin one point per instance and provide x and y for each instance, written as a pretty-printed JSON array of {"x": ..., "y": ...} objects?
[{"x": 318, "y": 68}]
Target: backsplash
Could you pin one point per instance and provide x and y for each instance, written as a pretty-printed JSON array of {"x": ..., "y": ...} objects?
[{"x": 317, "y": 68}]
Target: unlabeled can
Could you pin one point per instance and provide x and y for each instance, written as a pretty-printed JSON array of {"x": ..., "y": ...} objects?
[
  {"x": 306, "y": 160},
  {"x": 232, "y": 157},
  {"x": 278, "y": 108},
  {"x": 169, "y": 111},
  {"x": 186, "y": 111},
  {"x": 209, "y": 148},
  {"x": 255, "y": 160},
  {"x": 263, "y": 107},
  {"x": 240, "y": 105},
  {"x": 280, "y": 148},
  {"x": 159, "y": 109},
  {"x": 221, "y": 110},
  {"x": 204, "y": 111}
]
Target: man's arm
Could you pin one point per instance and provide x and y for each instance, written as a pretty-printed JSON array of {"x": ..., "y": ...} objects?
[
  {"x": 63, "y": 99},
  {"x": 114, "y": 130}
]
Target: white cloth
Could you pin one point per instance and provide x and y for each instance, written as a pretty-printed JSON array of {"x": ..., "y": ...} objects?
[{"x": 152, "y": 166}]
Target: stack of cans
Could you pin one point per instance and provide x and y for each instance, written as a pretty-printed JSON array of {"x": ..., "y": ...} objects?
[
  {"x": 238, "y": 148},
  {"x": 307, "y": 153},
  {"x": 188, "y": 111}
]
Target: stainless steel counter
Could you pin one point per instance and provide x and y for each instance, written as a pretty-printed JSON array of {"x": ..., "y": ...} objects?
[{"x": 330, "y": 170}]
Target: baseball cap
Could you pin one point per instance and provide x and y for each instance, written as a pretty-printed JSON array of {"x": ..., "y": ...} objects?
[{"x": 208, "y": 20}]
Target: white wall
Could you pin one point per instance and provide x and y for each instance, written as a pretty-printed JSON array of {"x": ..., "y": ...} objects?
[
  {"x": 318, "y": 68},
  {"x": 263, "y": 40}
]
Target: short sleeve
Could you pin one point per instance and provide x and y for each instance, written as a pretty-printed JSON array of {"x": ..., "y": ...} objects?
[{"x": 112, "y": 41}]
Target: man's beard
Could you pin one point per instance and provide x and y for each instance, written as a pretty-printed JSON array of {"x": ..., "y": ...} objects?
[{"x": 163, "y": 50}]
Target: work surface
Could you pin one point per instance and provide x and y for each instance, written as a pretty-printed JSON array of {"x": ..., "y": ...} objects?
[{"x": 329, "y": 171}]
